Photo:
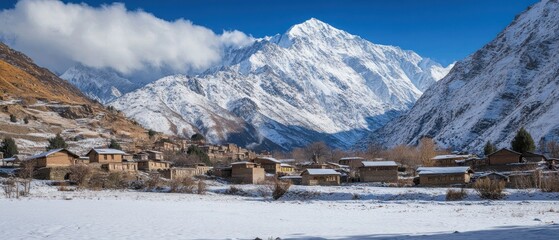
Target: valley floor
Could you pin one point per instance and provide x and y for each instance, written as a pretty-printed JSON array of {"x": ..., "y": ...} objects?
[{"x": 347, "y": 212}]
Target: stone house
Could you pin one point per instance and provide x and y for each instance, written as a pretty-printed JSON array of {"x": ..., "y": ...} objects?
[
  {"x": 120, "y": 166},
  {"x": 448, "y": 160},
  {"x": 54, "y": 158},
  {"x": 105, "y": 155},
  {"x": 352, "y": 162},
  {"x": 494, "y": 176},
  {"x": 378, "y": 171},
  {"x": 444, "y": 176},
  {"x": 286, "y": 169},
  {"x": 152, "y": 165},
  {"x": 247, "y": 173},
  {"x": 155, "y": 155},
  {"x": 270, "y": 165},
  {"x": 320, "y": 177},
  {"x": 531, "y": 157},
  {"x": 183, "y": 172},
  {"x": 508, "y": 160}
]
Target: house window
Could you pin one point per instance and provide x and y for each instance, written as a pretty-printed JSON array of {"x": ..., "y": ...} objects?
[{"x": 105, "y": 157}]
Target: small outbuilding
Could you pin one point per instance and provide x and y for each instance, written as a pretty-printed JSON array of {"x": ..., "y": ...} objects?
[
  {"x": 60, "y": 157},
  {"x": 320, "y": 177},
  {"x": 247, "y": 173},
  {"x": 444, "y": 176},
  {"x": 378, "y": 171}
]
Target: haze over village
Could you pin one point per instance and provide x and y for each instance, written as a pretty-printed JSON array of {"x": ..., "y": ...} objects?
[{"x": 279, "y": 120}]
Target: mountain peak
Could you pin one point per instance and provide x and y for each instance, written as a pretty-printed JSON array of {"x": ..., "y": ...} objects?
[{"x": 310, "y": 27}]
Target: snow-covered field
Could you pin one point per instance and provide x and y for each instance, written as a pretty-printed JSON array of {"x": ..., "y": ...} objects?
[{"x": 346, "y": 212}]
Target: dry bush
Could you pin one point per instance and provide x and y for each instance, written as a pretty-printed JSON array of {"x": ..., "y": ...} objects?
[
  {"x": 550, "y": 184},
  {"x": 26, "y": 171},
  {"x": 63, "y": 187},
  {"x": 280, "y": 188},
  {"x": 80, "y": 174},
  {"x": 96, "y": 181},
  {"x": 182, "y": 185},
  {"x": 455, "y": 195},
  {"x": 9, "y": 187},
  {"x": 236, "y": 191},
  {"x": 153, "y": 181},
  {"x": 202, "y": 188},
  {"x": 405, "y": 182},
  {"x": 489, "y": 189},
  {"x": 524, "y": 182},
  {"x": 116, "y": 180},
  {"x": 265, "y": 190}
]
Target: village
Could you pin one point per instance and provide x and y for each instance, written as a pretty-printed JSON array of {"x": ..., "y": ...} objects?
[{"x": 183, "y": 160}]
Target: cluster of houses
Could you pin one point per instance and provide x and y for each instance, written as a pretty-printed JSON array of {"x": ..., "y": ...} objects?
[
  {"x": 508, "y": 166},
  {"x": 261, "y": 168},
  {"x": 246, "y": 167},
  {"x": 216, "y": 153},
  {"x": 55, "y": 164},
  {"x": 444, "y": 170}
]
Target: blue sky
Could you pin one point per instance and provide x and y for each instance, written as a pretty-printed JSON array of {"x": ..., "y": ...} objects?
[{"x": 445, "y": 31}]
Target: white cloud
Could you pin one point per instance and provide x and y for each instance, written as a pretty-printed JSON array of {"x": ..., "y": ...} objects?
[{"x": 57, "y": 34}]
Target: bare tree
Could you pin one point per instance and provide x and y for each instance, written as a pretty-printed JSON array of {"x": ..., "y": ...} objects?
[
  {"x": 553, "y": 149},
  {"x": 426, "y": 150},
  {"x": 318, "y": 149}
]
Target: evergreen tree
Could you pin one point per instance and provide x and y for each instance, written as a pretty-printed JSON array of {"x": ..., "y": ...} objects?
[
  {"x": 9, "y": 147},
  {"x": 202, "y": 156},
  {"x": 56, "y": 142},
  {"x": 114, "y": 145},
  {"x": 13, "y": 118},
  {"x": 151, "y": 133},
  {"x": 197, "y": 137},
  {"x": 523, "y": 142},
  {"x": 489, "y": 148}
]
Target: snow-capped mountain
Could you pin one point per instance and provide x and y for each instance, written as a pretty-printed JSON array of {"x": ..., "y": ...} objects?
[
  {"x": 511, "y": 82},
  {"x": 102, "y": 85},
  {"x": 312, "y": 83}
]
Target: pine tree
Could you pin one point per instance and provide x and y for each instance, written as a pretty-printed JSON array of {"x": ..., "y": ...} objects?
[
  {"x": 114, "y": 145},
  {"x": 197, "y": 137},
  {"x": 56, "y": 142},
  {"x": 13, "y": 118},
  {"x": 523, "y": 142},
  {"x": 202, "y": 156},
  {"x": 489, "y": 148},
  {"x": 151, "y": 133},
  {"x": 9, "y": 147}
]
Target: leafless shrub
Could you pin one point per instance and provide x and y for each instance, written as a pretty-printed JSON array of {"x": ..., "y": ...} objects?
[
  {"x": 80, "y": 174},
  {"x": 280, "y": 188},
  {"x": 116, "y": 180},
  {"x": 96, "y": 181},
  {"x": 9, "y": 187},
  {"x": 265, "y": 190},
  {"x": 63, "y": 187},
  {"x": 153, "y": 181},
  {"x": 455, "y": 195},
  {"x": 182, "y": 185},
  {"x": 26, "y": 171},
  {"x": 202, "y": 188},
  {"x": 235, "y": 191},
  {"x": 550, "y": 184},
  {"x": 489, "y": 189}
]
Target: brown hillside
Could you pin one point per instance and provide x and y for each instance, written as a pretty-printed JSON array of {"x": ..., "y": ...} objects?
[
  {"x": 20, "y": 77},
  {"x": 51, "y": 105}
]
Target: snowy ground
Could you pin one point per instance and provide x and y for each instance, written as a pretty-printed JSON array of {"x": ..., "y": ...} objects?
[{"x": 307, "y": 213}]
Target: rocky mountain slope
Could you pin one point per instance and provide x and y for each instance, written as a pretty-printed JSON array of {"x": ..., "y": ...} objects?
[
  {"x": 509, "y": 83},
  {"x": 312, "y": 83},
  {"x": 44, "y": 105},
  {"x": 102, "y": 85}
]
